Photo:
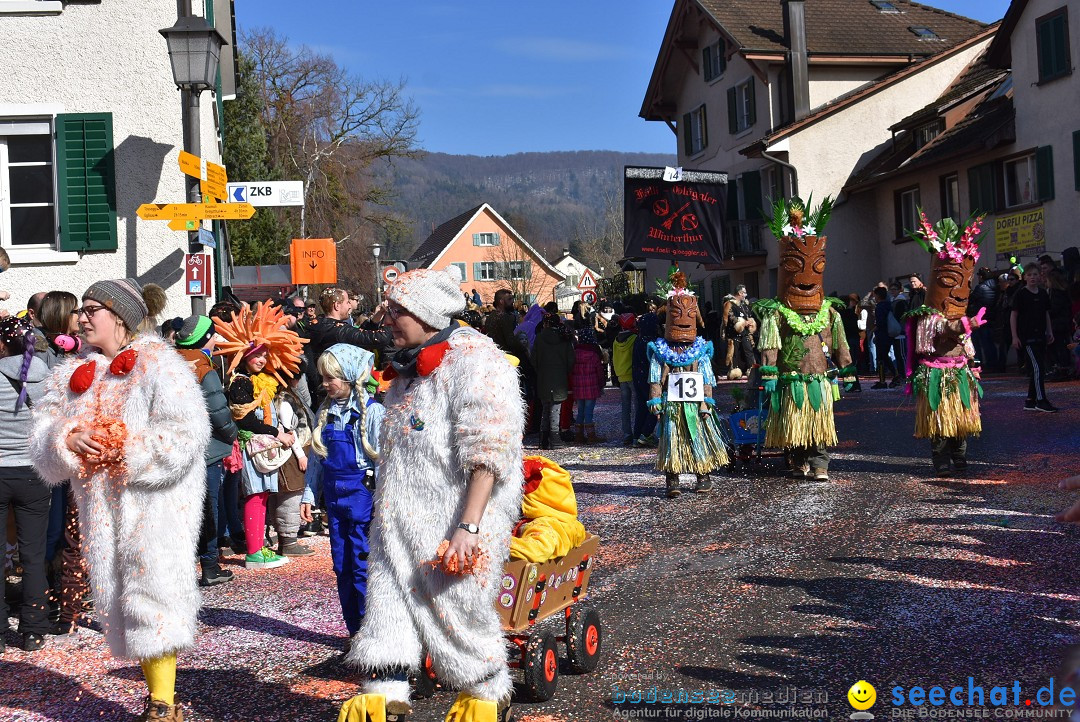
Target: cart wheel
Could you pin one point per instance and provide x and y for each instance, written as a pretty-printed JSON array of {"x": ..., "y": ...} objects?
[
  {"x": 584, "y": 637},
  {"x": 540, "y": 663},
  {"x": 425, "y": 680}
]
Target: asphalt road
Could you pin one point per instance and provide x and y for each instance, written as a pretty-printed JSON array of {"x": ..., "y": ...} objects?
[{"x": 771, "y": 594}]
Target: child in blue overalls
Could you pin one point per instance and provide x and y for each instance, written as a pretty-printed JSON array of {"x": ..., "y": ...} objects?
[{"x": 346, "y": 445}]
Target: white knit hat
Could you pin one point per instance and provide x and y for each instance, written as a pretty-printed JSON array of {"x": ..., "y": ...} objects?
[{"x": 432, "y": 296}]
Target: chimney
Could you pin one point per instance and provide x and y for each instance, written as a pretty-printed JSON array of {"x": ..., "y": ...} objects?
[
  {"x": 565, "y": 252},
  {"x": 797, "y": 70}
]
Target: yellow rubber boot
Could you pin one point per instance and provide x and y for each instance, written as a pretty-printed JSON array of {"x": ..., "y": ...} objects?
[
  {"x": 364, "y": 708},
  {"x": 160, "y": 674},
  {"x": 467, "y": 708}
]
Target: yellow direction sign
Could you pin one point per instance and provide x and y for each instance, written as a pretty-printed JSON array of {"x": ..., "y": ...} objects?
[
  {"x": 212, "y": 176},
  {"x": 194, "y": 211},
  {"x": 211, "y": 190},
  {"x": 183, "y": 225}
]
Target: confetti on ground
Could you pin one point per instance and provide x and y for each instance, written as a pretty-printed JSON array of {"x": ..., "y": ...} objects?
[{"x": 884, "y": 574}]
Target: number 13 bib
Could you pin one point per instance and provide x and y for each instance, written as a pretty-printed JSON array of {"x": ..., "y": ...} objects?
[{"x": 685, "y": 386}]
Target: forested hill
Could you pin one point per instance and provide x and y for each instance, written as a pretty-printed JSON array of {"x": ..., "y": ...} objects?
[{"x": 550, "y": 198}]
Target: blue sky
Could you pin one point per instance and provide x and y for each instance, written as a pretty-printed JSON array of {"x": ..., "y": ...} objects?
[{"x": 493, "y": 78}]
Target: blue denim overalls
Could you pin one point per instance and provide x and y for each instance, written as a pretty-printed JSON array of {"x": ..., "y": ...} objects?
[{"x": 347, "y": 493}]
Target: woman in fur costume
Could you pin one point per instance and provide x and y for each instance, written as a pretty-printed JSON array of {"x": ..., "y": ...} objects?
[
  {"x": 448, "y": 496},
  {"x": 680, "y": 394},
  {"x": 803, "y": 346},
  {"x": 940, "y": 355},
  {"x": 129, "y": 427}
]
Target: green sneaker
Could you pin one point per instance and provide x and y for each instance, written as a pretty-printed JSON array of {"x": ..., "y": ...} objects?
[{"x": 265, "y": 558}]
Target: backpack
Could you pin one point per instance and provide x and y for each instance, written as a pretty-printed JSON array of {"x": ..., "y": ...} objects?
[{"x": 895, "y": 327}]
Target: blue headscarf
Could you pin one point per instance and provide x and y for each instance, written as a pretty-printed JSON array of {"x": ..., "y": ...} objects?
[{"x": 354, "y": 362}]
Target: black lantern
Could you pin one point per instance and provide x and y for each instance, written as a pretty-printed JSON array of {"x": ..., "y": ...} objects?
[{"x": 194, "y": 49}]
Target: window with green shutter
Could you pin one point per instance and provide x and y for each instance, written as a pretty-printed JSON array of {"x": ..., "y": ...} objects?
[
  {"x": 751, "y": 188},
  {"x": 1052, "y": 42},
  {"x": 1076, "y": 159},
  {"x": 981, "y": 190},
  {"x": 86, "y": 180},
  {"x": 1044, "y": 172}
]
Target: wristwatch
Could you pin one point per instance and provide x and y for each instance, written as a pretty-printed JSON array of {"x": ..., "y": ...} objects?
[{"x": 471, "y": 528}]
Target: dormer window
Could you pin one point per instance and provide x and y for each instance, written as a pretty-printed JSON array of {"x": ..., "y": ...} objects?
[
  {"x": 924, "y": 33},
  {"x": 885, "y": 6},
  {"x": 714, "y": 60},
  {"x": 926, "y": 133}
]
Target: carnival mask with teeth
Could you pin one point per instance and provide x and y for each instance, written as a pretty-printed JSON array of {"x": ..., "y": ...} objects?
[
  {"x": 801, "y": 273},
  {"x": 950, "y": 286}
]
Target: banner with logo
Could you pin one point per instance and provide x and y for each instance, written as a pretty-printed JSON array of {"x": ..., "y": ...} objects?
[
  {"x": 674, "y": 213},
  {"x": 1020, "y": 234}
]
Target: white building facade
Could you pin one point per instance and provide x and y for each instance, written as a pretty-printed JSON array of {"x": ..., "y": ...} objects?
[{"x": 90, "y": 129}]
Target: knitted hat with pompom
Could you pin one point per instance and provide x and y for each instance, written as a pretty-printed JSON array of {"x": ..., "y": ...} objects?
[
  {"x": 128, "y": 300},
  {"x": 432, "y": 296}
]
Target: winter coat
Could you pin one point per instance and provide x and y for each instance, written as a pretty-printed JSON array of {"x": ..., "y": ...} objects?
[
  {"x": 553, "y": 358},
  {"x": 15, "y": 425},
  {"x": 648, "y": 330},
  {"x": 622, "y": 355},
  {"x": 141, "y": 520},
  {"x": 222, "y": 426},
  {"x": 467, "y": 412},
  {"x": 985, "y": 296},
  {"x": 590, "y": 372}
]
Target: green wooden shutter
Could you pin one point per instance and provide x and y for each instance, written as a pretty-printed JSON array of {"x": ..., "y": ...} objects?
[
  {"x": 687, "y": 135},
  {"x": 1053, "y": 47},
  {"x": 528, "y": 270},
  {"x": 476, "y": 271},
  {"x": 751, "y": 183},
  {"x": 496, "y": 237},
  {"x": 732, "y": 111},
  {"x": 1044, "y": 172},
  {"x": 981, "y": 191},
  {"x": 704, "y": 128},
  {"x": 752, "y": 115},
  {"x": 476, "y": 239},
  {"x": 1076, "y": 158},
  {"x": 706, "y": 64},
  {"x": 733, "y": 200},
  {"x": 86, "y": 179}
]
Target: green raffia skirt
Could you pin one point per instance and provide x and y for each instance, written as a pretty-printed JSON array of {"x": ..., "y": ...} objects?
[
  {"x": 946, "y": 403},
  {"x": 801, "y": 413},
  {"x": 690, "y": 441}
]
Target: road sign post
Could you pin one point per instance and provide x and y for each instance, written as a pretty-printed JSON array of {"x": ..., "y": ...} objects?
[
  {"x": 589, "y": 297},
  {"x": 267, "y": 193},
  {"x": 588, "y": 280},
  {"x": 194, "y": 211},
  {"x": 389, "y": 274}
]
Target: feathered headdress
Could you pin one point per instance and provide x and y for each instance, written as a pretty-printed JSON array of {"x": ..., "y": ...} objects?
[{"x": 262, "y": 329}]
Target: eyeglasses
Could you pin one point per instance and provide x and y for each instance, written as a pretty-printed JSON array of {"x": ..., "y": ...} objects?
[
  {"x": 395, "y": 311},
  {"x": 88, "y": 311}
]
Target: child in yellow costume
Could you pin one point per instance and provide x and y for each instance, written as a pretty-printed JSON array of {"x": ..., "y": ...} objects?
[{"x": 550, "y": 527}]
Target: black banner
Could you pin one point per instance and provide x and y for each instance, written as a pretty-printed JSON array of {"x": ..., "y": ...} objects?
[{"x": 681, "y": 220}]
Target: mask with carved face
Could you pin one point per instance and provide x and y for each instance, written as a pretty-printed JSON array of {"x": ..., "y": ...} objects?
[
  {"x": 950, "y": 286},
  {"x": 801, "y": 273},
  {"x": 682, "y": 320}
]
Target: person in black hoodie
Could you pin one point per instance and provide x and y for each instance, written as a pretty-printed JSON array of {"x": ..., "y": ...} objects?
[
  {"x": 335, "y": 326},
  {"x": 648, "y": 326},
  {"x": 985, "y": 295},
  {"x": 553, "y": 360}
]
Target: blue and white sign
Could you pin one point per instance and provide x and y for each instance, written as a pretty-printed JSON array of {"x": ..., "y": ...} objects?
[
  {"x": 206, "y": 237},
  {"x": 266, "y": 193}
]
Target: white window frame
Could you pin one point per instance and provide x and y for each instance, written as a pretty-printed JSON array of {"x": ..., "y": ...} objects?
[
  {"x": 926, "y": 133},
  {"x": 487, "y": 240},
  {"x": 699, "y": 137},
  {"x": 35, "y": 127},
  {"x": 743, "y": 111},
  {"x": 909, "y": 215},
  {"x": 464, "y": 274},
  {"x": 489, "y": 271},
  {"x": 951, "y": 197},
  {"x": 31, "y": 7},
  {"x": 1015, "y": 192}
]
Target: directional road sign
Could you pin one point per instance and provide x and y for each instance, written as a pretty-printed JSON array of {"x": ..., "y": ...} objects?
[
  {"x": 588, "y": 280},
  {"x": 196, "y": 274},
  {"x": 212, "y": 175},
  {"x": 206, "y": 237},
  {"x": 194, "y": 211},
  {"x": 183, "y": 225},
  {"x": 267, "y": 193}
]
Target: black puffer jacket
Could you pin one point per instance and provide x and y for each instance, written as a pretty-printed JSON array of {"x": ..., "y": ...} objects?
[{"x": 983, "y": 296}]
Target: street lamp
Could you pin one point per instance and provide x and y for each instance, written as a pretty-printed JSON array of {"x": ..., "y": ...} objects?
[
  {"x": 376, "y": 249},
  {"x": 194, "y": 49}
]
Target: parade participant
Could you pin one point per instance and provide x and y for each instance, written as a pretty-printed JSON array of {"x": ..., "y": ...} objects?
[
  {"x": 257, "y": 340},
  {"x": 680, "y": 394},
  {"x": 346, "y": 445},
  {"x": 803, "y": 346},
  {"x": 739, "y": 326},
  {"x": 449, "y": 490},
  {"x": 129, "y": 427},
  {"x": 940, "y": 352}
]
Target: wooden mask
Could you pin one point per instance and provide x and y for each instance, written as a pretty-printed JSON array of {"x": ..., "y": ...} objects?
[
  {"x": 800, "y": 277},
  {"x": 682, "y": 320},
  {"x": 950, "y": 285}
]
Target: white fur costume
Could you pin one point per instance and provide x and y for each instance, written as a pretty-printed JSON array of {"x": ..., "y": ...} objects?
[
  {"x": 139, "y": 531},
  {"x": 467, "y": 413}
]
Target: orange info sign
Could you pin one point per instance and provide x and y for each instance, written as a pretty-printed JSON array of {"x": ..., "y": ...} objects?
[{"x": 314, "y": 260}]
